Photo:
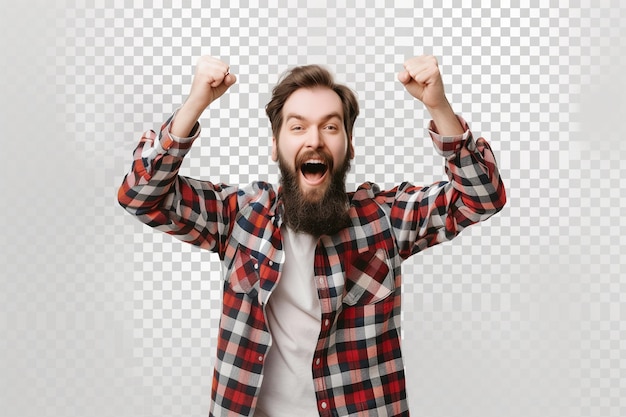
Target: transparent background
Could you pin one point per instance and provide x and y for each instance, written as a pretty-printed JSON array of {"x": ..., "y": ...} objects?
[{"x": 522, "y": 315}]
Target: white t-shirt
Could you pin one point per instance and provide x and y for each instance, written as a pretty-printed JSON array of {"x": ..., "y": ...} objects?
[{"x": 294, "y": 318}]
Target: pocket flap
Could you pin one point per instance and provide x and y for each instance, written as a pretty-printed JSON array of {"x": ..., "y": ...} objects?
[
  {"x": 368, "y": 279},
  {"x": 243, "y": 274}
]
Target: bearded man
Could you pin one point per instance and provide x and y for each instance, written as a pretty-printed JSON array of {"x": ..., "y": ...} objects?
[{"x": 310, "y": 322}]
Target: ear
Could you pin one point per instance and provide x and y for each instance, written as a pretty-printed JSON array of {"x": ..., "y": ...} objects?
[
  {"x": 274, "y": 149},
  {"x": 351, "y": 148}
]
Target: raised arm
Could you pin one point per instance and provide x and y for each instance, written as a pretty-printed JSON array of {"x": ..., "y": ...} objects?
[
  {"x": 197, "y": 212},
  {"x": 426, "y": 216}
]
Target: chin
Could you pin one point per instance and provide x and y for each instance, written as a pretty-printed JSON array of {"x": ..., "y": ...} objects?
[{"x": 313, "y": 195}]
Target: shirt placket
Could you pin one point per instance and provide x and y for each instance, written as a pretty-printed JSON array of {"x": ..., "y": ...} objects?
[{"x": 319, "y": 365}]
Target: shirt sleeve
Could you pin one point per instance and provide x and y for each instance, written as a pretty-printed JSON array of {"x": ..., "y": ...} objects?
[
  {"x": 196, "y": 212},
  {"x": 423, "y": 216}
]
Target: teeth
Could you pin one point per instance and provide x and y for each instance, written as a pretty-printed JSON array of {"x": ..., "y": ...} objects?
[{"x": 315, "y": 161}]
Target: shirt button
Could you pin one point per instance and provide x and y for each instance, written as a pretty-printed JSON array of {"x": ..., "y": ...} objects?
[
  {"x": 317, "y": 361},
  {"x": 326, "y": 322},
  {"x": 321, "y": 280},
  {"x": 324, "y": 405},
  {"x": 260, "y": 358},
  {"x": 271, "y": 263},
  {"x": 256, "y": 266}
]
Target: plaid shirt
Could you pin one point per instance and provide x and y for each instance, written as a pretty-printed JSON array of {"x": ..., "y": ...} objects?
[{"x": 357, "y": 368}]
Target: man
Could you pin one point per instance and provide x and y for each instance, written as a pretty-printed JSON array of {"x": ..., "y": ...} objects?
[{"x": 311, "y": 299}]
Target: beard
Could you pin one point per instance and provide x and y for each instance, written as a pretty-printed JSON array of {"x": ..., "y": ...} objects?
[{"x": 315, "y": 214}]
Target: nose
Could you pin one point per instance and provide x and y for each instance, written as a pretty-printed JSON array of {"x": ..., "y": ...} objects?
[{"x": 314, "y": 139}]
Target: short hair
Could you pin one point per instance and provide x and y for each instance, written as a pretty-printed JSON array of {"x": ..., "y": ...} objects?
[{"x": 310, "y": 76}]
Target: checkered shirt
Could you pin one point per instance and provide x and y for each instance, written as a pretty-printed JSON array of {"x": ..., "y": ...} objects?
[{"x": 357, "y": 369}]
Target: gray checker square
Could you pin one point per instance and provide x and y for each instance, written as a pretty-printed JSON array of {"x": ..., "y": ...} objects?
[{"x": 522, "y": 315}]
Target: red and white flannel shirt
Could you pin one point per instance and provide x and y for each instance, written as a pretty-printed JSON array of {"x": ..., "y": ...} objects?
[{"x": 357, "y": 369}]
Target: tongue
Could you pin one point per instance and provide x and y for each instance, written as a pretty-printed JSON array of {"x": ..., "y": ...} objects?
[{"x": 312, "y": 175}]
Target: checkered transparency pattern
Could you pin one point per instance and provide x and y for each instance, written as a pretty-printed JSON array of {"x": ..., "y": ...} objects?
[{"x": 520, "y": 316}]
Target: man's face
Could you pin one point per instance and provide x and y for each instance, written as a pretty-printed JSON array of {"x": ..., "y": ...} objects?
[{"x": 313, "y": 143}]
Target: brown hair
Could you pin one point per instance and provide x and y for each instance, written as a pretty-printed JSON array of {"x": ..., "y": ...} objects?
[{"x": 310, "y": 76}]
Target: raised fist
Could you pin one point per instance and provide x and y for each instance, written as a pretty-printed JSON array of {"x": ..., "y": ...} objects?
[
  {"x": 211, "y": 80},
  {"x": 422, "y": 79}
]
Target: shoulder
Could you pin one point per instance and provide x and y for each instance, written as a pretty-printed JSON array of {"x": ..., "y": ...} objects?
[
  {"x": 372, "y": 192},
  {"x": 258, "y": 192},
  {"x": 365, "y": 191}
]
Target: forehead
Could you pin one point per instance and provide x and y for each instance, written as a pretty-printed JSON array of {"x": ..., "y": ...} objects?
[{"x": 313, "y": 103}]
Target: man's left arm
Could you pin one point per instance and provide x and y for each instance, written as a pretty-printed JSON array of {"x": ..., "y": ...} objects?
[{"x": 426, "y": 216}]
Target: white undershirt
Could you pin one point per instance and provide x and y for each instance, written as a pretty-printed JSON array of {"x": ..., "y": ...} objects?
[{"x": 294, "y": 317}]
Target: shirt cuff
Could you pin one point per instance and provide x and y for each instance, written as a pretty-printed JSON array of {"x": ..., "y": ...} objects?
[
  {"x": 169, "y": 143},
  {"x": 447, "y": 146}
]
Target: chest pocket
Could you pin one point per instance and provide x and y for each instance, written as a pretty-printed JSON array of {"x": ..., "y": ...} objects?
[
  {"x": 243, "y": 275},
  {"x": 368, "y": 279}
]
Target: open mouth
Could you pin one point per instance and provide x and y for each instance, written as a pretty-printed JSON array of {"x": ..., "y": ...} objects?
[{"x": 314, "y": 171}]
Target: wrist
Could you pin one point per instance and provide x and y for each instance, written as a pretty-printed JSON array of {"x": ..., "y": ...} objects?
[
  {"x": 193, "y": 107},
  {"x": 184, "y": 120},
  {"x": 443, "y": 108},
  {"x": 445, "y": 120}
]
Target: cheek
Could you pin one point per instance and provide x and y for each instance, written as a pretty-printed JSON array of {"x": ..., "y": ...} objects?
[
  {"x": 340, "y": 152},
  {"x": 284, "y": 153}
]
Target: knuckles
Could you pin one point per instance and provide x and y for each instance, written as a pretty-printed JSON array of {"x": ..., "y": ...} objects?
[
  {"x": 423, "y": 61},
  {"x": 423, "y": 66},
  {"x": 211, "y": 70}
]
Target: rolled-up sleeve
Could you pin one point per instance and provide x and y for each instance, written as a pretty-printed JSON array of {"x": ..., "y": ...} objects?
[
  {"x": 423, "y": 216},
  {"x": 196, "y": 212}
]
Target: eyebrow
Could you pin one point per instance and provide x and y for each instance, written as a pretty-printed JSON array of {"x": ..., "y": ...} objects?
[{"x": 324, "y": 118}]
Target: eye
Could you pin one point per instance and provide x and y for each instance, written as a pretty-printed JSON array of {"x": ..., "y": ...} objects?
[
  {"x": 296, "y": 127},
  {"x": 330, "y": 127}
]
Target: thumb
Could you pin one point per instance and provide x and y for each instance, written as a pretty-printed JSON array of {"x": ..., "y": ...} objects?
[
  {"x": 229, "y": 80},
  {"x": 218, "y": 91},
  {"x": 404, "y": 77}
]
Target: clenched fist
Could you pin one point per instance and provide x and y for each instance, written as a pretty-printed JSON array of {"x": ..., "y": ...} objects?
[
  {"x": 211, "y": 80},
  {"x": 422, "y": 79}
]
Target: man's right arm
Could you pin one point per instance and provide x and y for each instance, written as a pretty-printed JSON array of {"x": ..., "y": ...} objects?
[{"x": 194, "y": 211}]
